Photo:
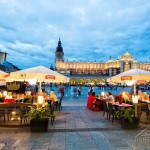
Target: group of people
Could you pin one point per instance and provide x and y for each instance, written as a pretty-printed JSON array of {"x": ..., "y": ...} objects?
[
  {"x": 19, "y": 97},
  {"x": 95, "y": 104},
  {"x": 29, "y": 97}
]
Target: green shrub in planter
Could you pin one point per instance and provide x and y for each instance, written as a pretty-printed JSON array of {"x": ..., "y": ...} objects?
[
  {"x": 127, "y": 118},
  {"x": 39, "y": 118}
]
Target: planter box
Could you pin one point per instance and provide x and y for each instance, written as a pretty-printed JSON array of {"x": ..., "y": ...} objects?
[
  {"x": 39, "y": 125},
  {"x": 125, "y": 124}
]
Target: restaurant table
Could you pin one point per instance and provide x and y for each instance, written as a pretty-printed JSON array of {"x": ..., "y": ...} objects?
[
  {"x": 9, "y": 100},
  {"x": 147, "y": 102},
  {"x": 121, "y": 105}
]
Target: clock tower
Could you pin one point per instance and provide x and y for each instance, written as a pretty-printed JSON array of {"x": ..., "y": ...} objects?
[{"x": 59, "y": 54}]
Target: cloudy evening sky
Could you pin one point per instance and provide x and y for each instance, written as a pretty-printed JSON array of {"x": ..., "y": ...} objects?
[{"x": 89, "y": 30}]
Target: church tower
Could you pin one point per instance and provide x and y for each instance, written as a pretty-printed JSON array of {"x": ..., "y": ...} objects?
[{"x": 59, "y": 54}]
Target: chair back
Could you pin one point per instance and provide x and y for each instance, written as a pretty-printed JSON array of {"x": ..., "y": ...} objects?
[
  {"x": 59, "y": 103},
  {"x": 129, "y": 102},
  {"x": 110, "y": 108},
  {"x": 144, "y": 108},
  {"x": 105, "y": 106}
]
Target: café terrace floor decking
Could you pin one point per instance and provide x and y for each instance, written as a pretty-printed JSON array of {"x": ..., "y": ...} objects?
[{"x": 76, "y": 128}]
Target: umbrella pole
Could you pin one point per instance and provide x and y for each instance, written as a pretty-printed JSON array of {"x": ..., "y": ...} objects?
[
  {"x": 134, "y": 89},
  {"x": 40, "y": 87}
]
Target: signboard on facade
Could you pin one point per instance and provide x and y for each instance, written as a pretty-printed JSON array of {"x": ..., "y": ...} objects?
[{"x": 124, "y": 78}]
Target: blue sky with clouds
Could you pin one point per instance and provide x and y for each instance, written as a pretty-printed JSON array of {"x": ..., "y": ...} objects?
[{"x": 89, "y": 30}]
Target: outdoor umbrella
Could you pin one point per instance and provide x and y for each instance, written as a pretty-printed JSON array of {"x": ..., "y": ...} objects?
[
  {"x": 38, "y": 74},
  {"x": 133, "y": 75},
  {"x": 2, "y": 77},
  {"x": 136, "y": 75}
]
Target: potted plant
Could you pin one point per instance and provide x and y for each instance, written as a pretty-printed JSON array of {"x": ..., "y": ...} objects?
[
  {"x": 39, "y": 118},
  {"x": 127, "y": 118}
]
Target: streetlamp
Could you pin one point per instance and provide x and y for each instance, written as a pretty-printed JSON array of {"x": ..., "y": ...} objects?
[
  {"x": 135, "y": 103},
  {"x": 102, "y": 93},
  {"x": 4, "y": 93},
  {"x": 40, "y": 99}
]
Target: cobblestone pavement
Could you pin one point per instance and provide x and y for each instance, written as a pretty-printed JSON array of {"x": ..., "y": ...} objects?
[{"x": 75, "y": 128}]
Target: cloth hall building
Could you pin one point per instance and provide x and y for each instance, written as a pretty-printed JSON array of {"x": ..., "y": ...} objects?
[{"x": 84, "y": 72}]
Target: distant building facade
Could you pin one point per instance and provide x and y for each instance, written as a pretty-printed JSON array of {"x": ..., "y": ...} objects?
[
  {"x": 82, "y": 72},
  {"x": 6, "y": 66}
]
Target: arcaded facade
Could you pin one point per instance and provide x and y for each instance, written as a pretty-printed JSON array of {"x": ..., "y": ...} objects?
[{"x": 109, "y": 68}]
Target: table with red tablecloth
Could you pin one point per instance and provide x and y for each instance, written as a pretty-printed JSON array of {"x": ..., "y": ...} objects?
[
  {"x": 9, "y": 100},
  {"x": 121, "y": 104}
]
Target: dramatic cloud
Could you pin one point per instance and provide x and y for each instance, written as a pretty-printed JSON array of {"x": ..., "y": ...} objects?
[{"x": 89, "y": 30}]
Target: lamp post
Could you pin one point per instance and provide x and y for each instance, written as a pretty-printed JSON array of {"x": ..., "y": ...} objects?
[
  {"x": 40, "y": 100},
  {"x": 135, "y": 103},
  {"x": 4, "y": 93},
  {"x": 102, "y": 93},
  {"x": 134, "y": 96}
]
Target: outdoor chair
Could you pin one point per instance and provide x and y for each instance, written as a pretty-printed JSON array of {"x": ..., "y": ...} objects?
[
  {"x": 9, "y": 111},
  {"x": 111, "y": 111},
  {"x": 24, "y": 111},
  {"x": 105, "y": 109},
  {"x": 147, "y": 113},
  {"x": 59, "y": 103},
  {"x": 129, "y": 102},
  {"x": 144, "y": 108},
  {"x": 2, "y": 113}
]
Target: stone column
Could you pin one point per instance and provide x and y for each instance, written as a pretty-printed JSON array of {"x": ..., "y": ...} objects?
[
  {"x": 121, "y": 67},
  {"x": 110, "y": 71}
]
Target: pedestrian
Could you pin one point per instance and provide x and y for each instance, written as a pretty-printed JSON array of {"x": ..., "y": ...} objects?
[{"x": 79, "y": 90}]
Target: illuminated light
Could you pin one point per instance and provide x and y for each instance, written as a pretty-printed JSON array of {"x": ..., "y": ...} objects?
[
  {"x": 4, "y": 93},
  {"x": 40, "y": 99},
  {"x": 103, "y": 93},
  {"x": 135, "y": 99},
  {"x": 129, "y": 83},
  {"x": 123, "y": 94},
  {"x": 32, "y": 81}
]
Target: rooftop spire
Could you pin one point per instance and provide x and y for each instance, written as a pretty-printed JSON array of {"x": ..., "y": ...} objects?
[{"x": 59, "y": 47}]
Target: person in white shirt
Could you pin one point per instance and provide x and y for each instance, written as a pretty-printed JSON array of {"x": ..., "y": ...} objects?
[
  {"x": 110, "y": 97},
  {"x": 9, "y": 96},
  {"x": 53, "y": 98}
]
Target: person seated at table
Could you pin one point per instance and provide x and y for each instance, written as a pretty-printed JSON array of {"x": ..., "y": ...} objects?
[
  {"x": 97, "y": 105},
  {"x": 53, "y": 98},
  {"x": 9, "y": 95},
  {"x": 34, "y": 97},
  {"x": 140, "y": 96},
  {"x": 145, "y": 96},
  {"x": 14, "y": 95},
  {"x": 28, "y": 97},
  {"x": 20, "y": 97},
  {"x": 120, "y": 96},
  {"x": 1, "y": 95},
  {"x": 109, "y": 97},
  {"x": 91, "y": 99},
  {"x": 88, "y": 101},
  {"x": 126, "y": 97}
]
